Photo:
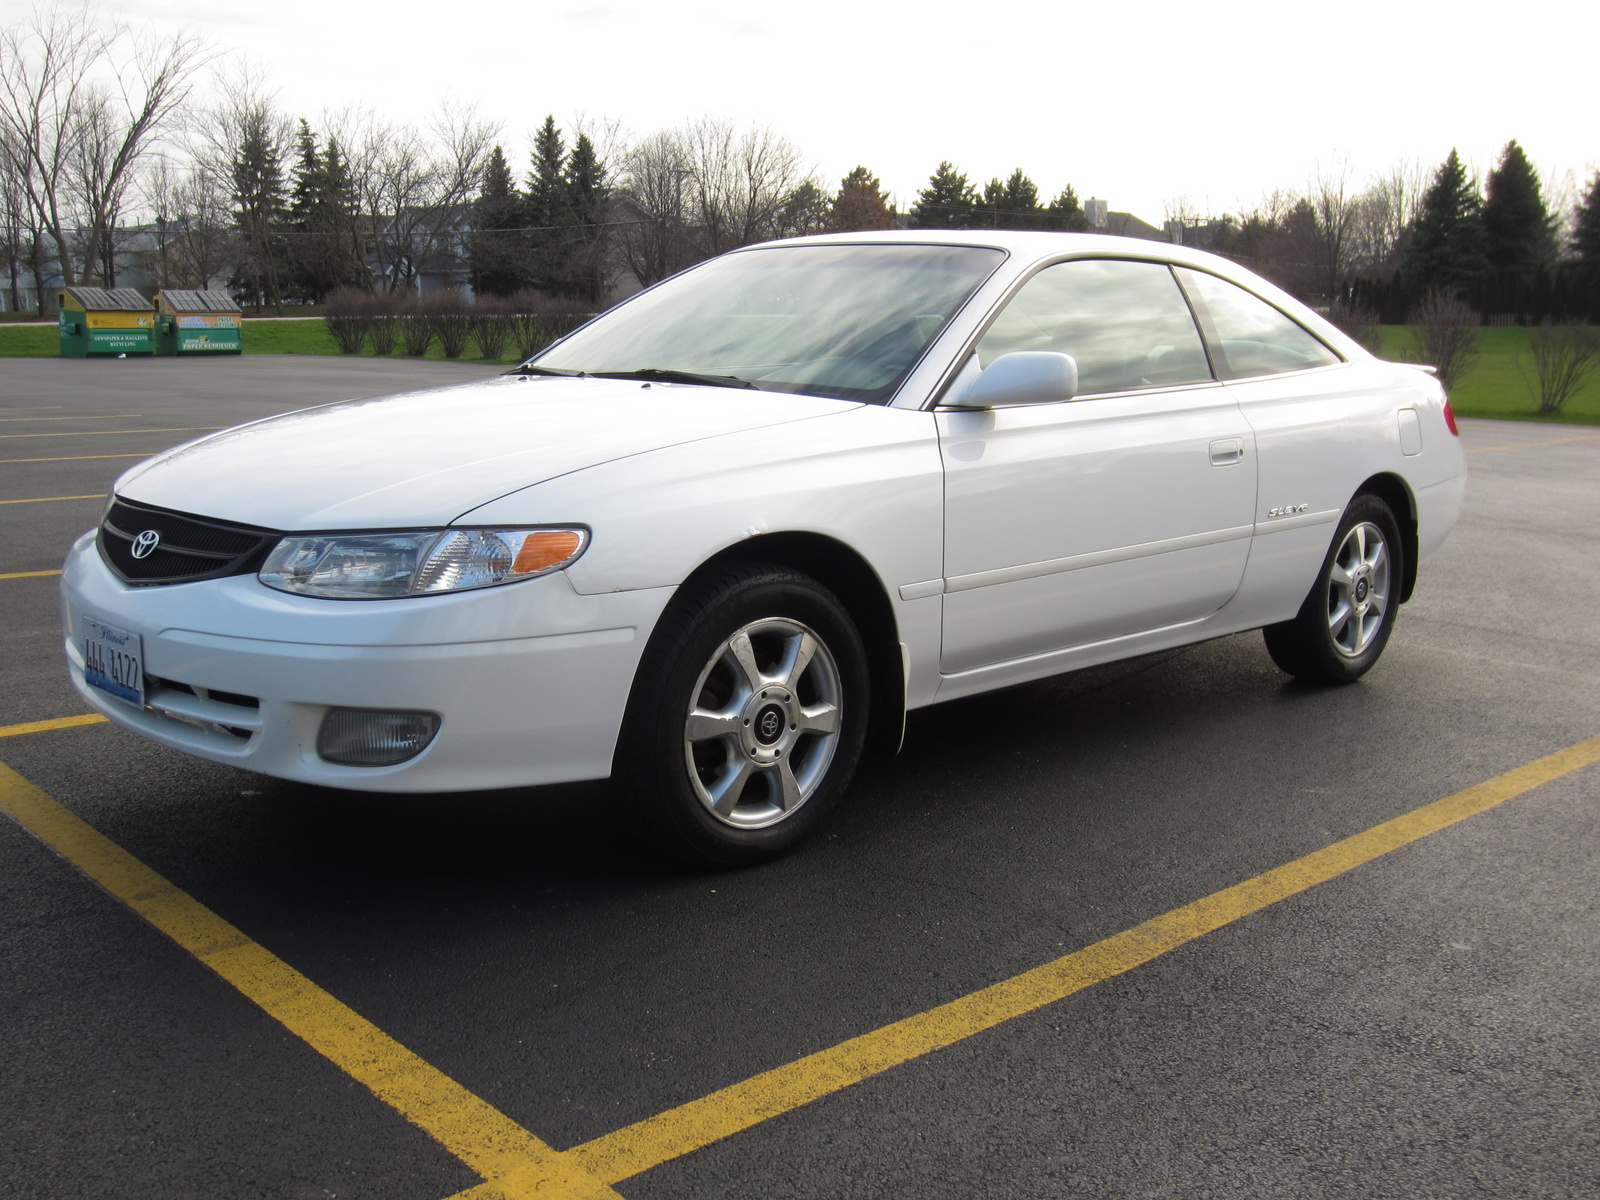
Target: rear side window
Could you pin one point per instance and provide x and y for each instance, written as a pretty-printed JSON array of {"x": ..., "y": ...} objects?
[
  {"x": 1126, "y": 324},
  {"x": 1253, "y": 337}
]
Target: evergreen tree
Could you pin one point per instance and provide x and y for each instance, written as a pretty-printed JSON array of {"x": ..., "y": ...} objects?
[
  {"x": 805, "y": 211},
  {"x": 1014, "y": 203},
  {"x": 499, "y": 251},
  {"x": 1519, "y": 232},
  {"x": 547, "y": 206},
  {"x": 1445, "y": 245},
  {"x": 860, "y": 204},
  {"x": 946, "y": 203},
  {"x": 1065, "y": 213},
  {"x": 259, "y": 210},
  {"x": 1586, "y": 228},
  {"x": 340, "y": 217},
  {"x": 586, "y": 205},
  {"x": 322, "y": 248}
]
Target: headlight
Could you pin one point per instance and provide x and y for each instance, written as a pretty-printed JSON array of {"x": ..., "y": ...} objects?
[{"x": 382, "y": 566}]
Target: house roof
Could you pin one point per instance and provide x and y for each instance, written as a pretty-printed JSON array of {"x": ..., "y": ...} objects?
[
  {"x": 96, "y": 299},
  {"x": 183, "y": 300}
]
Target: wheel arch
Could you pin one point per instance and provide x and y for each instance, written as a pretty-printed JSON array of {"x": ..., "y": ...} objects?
[
  {"x": 1396, "y": 493},
  {"x": 845, "y": 573}
]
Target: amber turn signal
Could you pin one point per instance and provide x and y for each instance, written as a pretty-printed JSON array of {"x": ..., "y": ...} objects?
[{"x": 546, "y": 548}]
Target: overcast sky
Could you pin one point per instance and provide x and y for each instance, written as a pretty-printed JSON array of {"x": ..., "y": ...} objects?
[{"x": 1138, "y": 104}]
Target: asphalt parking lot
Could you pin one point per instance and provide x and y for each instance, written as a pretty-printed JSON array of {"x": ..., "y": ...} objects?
[{"x": 1176, "y": 927}]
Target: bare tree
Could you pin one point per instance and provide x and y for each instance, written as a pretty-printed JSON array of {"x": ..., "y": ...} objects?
[
  {"x": 1335, "y": 206},
  {"x": 1445, "y": 334},
  {"x": 421, "y": 192},
  {"x": 740, "y": 182},
  {"x": 114, "y": 131},
  {"x": 1383, "y": 212},
  {"x": 1563, "y": 357},
  {"x": 45, "y": 67},
  {"x": 654, "y": 241},
  {"x": 81, "y": 103}
]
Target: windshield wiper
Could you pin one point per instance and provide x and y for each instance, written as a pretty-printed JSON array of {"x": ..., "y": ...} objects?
[
  {"x": 648, "y": 374},
  {"x": 526, "y": 369},
  {"x": 663, "y": 375}
]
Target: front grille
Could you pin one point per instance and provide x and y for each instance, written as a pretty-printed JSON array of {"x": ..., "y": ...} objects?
[{"x": 187, "y": 548}]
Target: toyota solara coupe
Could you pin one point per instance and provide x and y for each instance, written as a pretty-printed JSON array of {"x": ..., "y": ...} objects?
[{"x": 723, "y": 537}]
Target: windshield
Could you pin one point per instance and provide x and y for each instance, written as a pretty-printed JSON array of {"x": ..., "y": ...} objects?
[{"x": 841, "y": 321}]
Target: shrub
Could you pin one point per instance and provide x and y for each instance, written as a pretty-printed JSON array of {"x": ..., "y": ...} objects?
[
  {"x": 385, "y": 332},
  {"x": 537, "y": 320},
  {"x": 1445, "y": 334},
  {"x": 452, "y": 321},
  {"x": 1361, "y": 324},
  {"x": 1563, "y": 357},
  {"x": 491, "y": 326},
  {"x": 348, "y": 315},
  {"x": 416, "y": 327}
]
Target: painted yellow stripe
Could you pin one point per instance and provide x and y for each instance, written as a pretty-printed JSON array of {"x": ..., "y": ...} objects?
[
  {"x": 651, "y": 1142},
  {"x": 517, "y": 1164},
  {"x": 81, "y": 457},
  {"x": 29, "y": 574},
  {"x": 45, "y": 499},
  {"x": 1587, "y": 437},
  {"x": 47, "y": 726},
  {"x": 109, "y": 432}
]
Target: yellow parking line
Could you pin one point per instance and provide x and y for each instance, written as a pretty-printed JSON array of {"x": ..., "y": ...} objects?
[
  {"x": 43, "y": 499},
  {"x": 29, "y": 574},
  {"x": 109, "y": 432},
  {"x": 81, "y": 457},
  {"x": 516, "y": 1164},
  {"x": 1587, "y": 437},
  {"x": 47, "y": 726},
  {"x": 655, "y": 1140}
]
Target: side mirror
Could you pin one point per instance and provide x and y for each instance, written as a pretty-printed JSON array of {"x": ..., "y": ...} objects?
[{"x": 1021, "y": 377}]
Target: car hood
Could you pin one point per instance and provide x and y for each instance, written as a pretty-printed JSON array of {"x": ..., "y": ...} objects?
[{"x": 424, "y": 458}]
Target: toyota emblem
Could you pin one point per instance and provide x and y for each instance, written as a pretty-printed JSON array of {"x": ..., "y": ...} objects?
[{"x": 145, "y": 544}]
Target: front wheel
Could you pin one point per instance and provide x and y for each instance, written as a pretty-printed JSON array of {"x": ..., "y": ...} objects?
[
  {"x": 747, "y": 718},
  {"x": 1346, "y": 620}
]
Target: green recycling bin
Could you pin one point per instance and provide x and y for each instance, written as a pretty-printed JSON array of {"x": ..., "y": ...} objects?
[
  {"x": 192, "y": 323},
  {"x": 101, "y": 322}
]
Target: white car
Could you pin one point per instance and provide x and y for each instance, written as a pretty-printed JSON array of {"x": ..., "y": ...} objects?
[{"x": 714, "y": 542}]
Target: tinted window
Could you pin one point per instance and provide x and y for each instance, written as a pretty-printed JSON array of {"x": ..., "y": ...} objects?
[
  {"x": 1126, "y": 324},
  {"x": 843, "y": 321},
  {"x": 1256, "y": 339}
]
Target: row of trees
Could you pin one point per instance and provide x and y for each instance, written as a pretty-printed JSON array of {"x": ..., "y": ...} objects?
[
  {"x": 1386, "y": 245},
  {"x": 951, "y": 202},
  {"x": 98, "y": 126}
]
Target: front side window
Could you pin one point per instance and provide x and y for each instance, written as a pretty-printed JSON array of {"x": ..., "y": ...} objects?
[
  {"x": 1126, "y": 323},
  {"x": 1253, "y": 337},
  {"x": 842, "y": 321}
]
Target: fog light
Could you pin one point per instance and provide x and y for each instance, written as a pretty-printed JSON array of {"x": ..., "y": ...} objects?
[{"x": 374, "y": 737}]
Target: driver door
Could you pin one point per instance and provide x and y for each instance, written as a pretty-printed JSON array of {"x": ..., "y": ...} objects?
[{"x": 1125, "y": 509}]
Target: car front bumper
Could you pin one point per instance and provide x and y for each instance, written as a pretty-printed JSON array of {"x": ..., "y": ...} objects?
[{"x": 530, "y": 679}]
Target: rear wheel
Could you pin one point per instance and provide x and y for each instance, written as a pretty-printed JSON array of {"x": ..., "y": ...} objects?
[
  {"x": 747, "y": 718},
  {"x": 1346, "y": 619}
]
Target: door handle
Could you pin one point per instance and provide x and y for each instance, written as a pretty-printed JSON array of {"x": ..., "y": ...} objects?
[{"x": 1227, "y": 451}]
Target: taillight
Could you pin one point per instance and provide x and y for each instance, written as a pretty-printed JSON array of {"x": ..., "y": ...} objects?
[{"x": 1450, "y": 417}]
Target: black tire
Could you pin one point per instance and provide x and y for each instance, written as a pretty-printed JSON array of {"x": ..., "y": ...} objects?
[
  {"x": 727, "y": 759},
  {"x": 1347, "y": 617}
]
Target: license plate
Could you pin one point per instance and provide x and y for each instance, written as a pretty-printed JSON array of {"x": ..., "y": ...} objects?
[{"x": 113, "y": 661}]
